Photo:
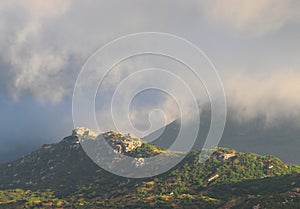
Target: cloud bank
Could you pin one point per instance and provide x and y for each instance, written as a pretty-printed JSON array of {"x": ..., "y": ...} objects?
[
  {"x": 44, "y": 44},
  {"x": 252, "y": 17},
  {"x": 273, "y": 95},
  {"x": 34, "y": 63}
]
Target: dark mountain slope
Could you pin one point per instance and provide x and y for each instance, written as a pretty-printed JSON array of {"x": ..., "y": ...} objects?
[{"x": 280, "y": 138}]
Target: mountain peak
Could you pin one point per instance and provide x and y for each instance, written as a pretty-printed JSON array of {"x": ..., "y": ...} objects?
[{"x": 121, "y": 142}]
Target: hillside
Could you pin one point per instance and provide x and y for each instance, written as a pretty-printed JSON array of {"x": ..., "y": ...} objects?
[{"x": 62, "y": 175}]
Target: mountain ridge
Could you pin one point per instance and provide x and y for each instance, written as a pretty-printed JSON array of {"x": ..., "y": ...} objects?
[
  {"x": 64, "y": 170},
  {"x": 280, "y": 138}
]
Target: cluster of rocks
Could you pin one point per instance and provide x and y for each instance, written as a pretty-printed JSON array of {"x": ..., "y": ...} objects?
[
  {"x": 225, "y": 156},
  {"x": 122, "y": 143}
]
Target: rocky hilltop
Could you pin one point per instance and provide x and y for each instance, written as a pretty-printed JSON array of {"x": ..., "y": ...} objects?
[{"x": 120, "y": 142}]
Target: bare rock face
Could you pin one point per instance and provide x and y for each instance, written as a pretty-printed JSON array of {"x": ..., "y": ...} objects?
[
  {"x": 122, "y": 143},
  {"x": 225, "y": 155}
]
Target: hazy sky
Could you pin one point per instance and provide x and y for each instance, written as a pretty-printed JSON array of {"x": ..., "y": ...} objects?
[{"x": 254, "y": 45}]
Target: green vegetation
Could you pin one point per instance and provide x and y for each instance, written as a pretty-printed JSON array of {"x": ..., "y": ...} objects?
[
  {"x": 146, "y": 150},
  {"x": 274, "y": 192},
  {"x": 62, "y": 176},
  {"x": 19, "y": 198}
]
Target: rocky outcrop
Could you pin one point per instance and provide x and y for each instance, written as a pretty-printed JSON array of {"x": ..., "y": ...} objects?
[
  {"x": 122, "y": 143},
  {"x": 224, "y": 155}
]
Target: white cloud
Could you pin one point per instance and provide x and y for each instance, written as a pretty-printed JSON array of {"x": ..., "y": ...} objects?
[
  {"x": 31, "y": 63},
  {"x": 273, "y": 95},
  {"x": 38, "y": 40},
  {"x": 252, "y": 17}
]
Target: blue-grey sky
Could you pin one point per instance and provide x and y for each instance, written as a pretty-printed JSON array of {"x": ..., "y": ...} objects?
[{"x": 254, "y": 45}]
